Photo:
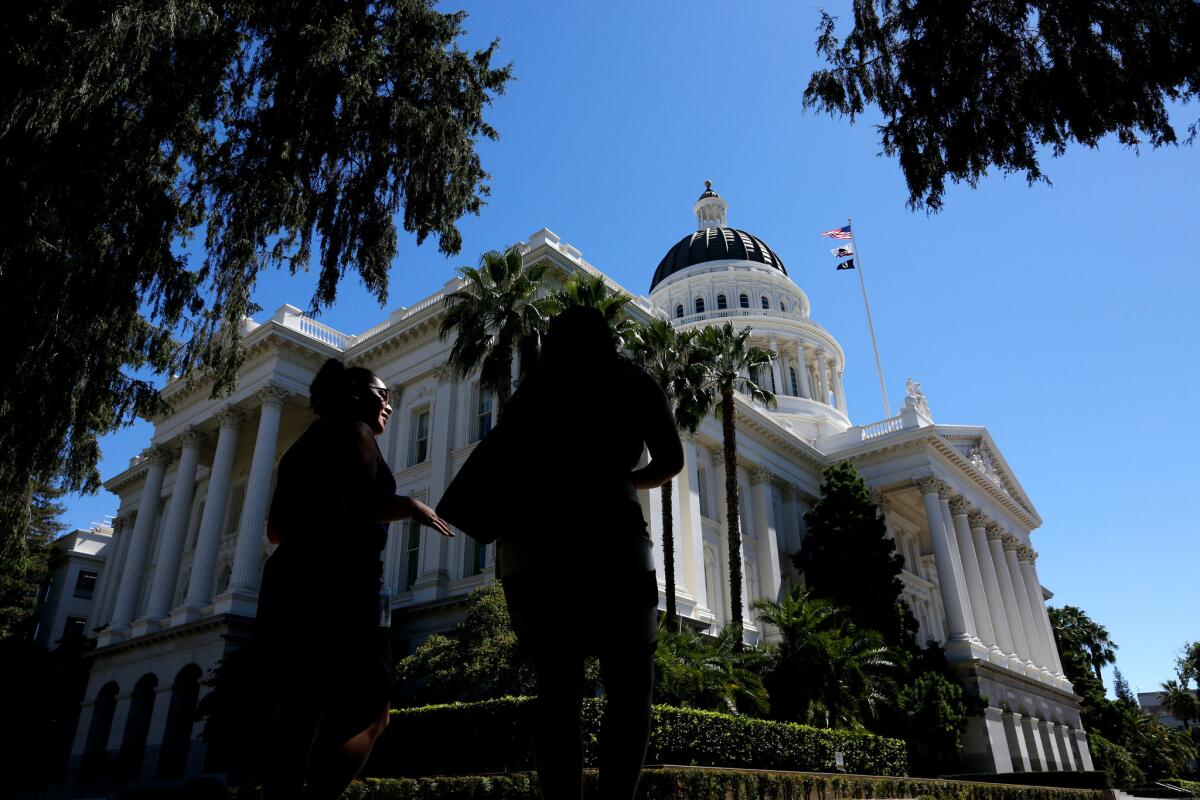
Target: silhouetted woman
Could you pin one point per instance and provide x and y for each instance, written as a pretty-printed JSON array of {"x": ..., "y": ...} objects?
[
  {"x": 578, "y": 569},
  {"x": 319, "y": 609}
]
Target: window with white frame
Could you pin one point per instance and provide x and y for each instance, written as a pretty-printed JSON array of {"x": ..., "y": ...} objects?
[
  {"x": 474, "y": 557},
  {"x": 743, "y": 301},
  {"x": 766, "y": 303},
  {"x": 483, "y": 412},
  {"x": 412, "y": 553},
  {"x": 702, "y": 490},
  {"x": 418, "y": 437}
]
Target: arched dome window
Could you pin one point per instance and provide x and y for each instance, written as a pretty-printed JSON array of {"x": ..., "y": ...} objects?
[
  {"x": 679, "y": 311},
  {"x": 782, "y": 306},
  {"x": 766, "y": 303},
  {"x": 743, "y": 301},
  {"x": 721, "y": 304},
  {"x": 795, "y": 386},
  {"x": 699, "y": 305}
]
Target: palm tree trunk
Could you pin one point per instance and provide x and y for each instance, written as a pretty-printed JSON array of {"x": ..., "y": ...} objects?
[
  {"x": 668, "y": 543},
  {"x": 729, "y": 441}
]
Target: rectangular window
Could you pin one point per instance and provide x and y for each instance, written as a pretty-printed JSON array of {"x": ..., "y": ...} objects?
[
  {"x": 74, "y": 628},
  {"x": 474, "y": 556},
  {"x": 418, "y": 438},
  {"x": 483, "y": 412},
  {"x": 702, "y": 487},
  {"x": 85, "y": 584},
  {"x": 412, "y": 552}
]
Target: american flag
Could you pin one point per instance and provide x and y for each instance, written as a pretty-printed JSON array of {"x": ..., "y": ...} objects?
[{"x": 839, "y": 233}]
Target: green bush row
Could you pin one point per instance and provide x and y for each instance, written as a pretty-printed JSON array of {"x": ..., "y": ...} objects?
[
  {"x": 1192, "y": 787},
  {"x": 493, "y": 736},
  {"x": 712, "y": 784}
]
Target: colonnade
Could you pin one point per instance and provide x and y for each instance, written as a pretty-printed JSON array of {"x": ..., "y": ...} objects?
[
  {"x": 989, "y": 587},
  {"x": 122, "y": 585},
  {"x": 818, "y": 372},
  {"x": 1042, "y": 745}
]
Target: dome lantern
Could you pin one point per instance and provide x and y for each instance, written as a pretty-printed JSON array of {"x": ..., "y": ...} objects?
[{"x": 710, "y": 209}]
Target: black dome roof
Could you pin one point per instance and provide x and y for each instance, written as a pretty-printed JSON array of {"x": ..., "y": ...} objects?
[{"x": 715, "y": 244}]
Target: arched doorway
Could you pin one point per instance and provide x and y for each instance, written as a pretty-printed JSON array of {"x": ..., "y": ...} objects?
[
  {"x": 181, "y": 713},
  {"x": 94, "y": 750},
  {"x": 137, "y": 728}
]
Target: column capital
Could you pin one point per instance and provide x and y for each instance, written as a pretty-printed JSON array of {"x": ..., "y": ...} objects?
[
  {"x": 977, "y": 519},
  {"x": 760, "y": 475},
  {"x": 928, "y": 485},
  {"x": 1027, "y": 554},
  {"x": 718, "y": 456},
  {"x": 119, "y": 523},
  {"x": 444, "y": 374},
  {"x": 159, "y": 454},
  {"x": 192, "y": 437},
  {"x": 945, "y": 491},
  {"x": 1011, "y": 544},
  {"x": 272, "y": 395},
  {"x": 959, "y": 505},
  {"x": 881, "y": 500},
  {"x": 230, "y": 417},
  {"x": 688, "y": 436}
]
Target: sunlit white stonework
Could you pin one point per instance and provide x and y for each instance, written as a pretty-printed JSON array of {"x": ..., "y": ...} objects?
[{"x": 189, "y": 539}]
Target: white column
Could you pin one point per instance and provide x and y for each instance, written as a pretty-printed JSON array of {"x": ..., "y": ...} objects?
[
  {"x": 776, "y": 367},
  {"x": 129, "y": 589},
  {"x": 208, "y": 540},
  {"x": 839, "y": 395},
  {"x": 768, "y": 541},
  {"x": 823, "y": 377},
  {"x": 1016, "y": 742},
  {"x": 1012, "y": 611},
  {"x": 690, "y": 536},
  {"x": 170, "y": 546},
  {"x": 1033, "y": 656},
  {"x": 433, "y": 565},
  {"x": 1025, "y": 559},
  {"x": 802, "y": 373},
  {"x": 1032, "y": 729},
  {"x": 952, "y": 594},
  {"x": 945, "y": 492},
  {"x": 1054, "y": 761},
  {"x": 991, "y": 585},
  {"x": 110, "y": 575},
  {"x": 247, "y": 559},
  {"x": 970, "y": 560}
]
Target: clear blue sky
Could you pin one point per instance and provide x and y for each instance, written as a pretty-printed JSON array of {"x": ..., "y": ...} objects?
[{"x": 1062, "y": 318}]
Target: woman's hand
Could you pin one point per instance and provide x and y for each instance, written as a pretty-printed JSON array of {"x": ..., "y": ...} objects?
[{"x": 427, "y": 516}]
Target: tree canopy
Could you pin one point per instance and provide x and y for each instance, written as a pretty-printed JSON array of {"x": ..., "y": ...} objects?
[
  {"x": 968, "y": 86},
  {"x": 275, "y": 134}
]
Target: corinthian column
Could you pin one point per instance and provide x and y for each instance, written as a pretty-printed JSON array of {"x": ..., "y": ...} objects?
[
  {"x": 248, "y": 556},
  {"x": 802, "y": 373},
  {"x": 129, "y": 589},
  {"x": 171, "y": 543},
  {"x": 208, "y": 541},
  {"x": 768, "y": 536},
  {"x": 944, "y": 495},
  {"x": 823, "y": 376},
  {"x": 1012, "y": 611},
  {"x": 839, "y": 395},
  {"x": 776, "y": 367},
  {"x": 1033, "y": 655},
  {"x": 991, "y": 585},
  {"x": 1037, "y": 609},
  {"x": 943, "y": 562},
  {"x": 110, "y": 575},
  {"x": 970, "y": 560}
]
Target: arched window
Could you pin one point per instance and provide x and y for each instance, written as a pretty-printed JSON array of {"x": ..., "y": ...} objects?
[
  {"x": 795, "y": 386},
  {"x": 721, "y": 304},
  {"x": 97, "y": 735},
  {"x": 137, "y": 729},
  {"x": 782, "y": 306},
  {"x": 743, "y": 301},
  {"x": 766, "y": 303},
  {"x": 185, "y": 691},
  {"x": 679, "y": 311},
  {"x": 699, "y": 305}
]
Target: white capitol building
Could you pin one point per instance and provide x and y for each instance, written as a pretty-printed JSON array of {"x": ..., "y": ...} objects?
[{"x": 180, "y": 586}]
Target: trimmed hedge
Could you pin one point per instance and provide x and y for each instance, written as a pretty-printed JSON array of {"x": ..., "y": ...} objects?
[
  {"x": 493, "y": 736},
  {"x": 1073, "y": 779},
  {"x": 1192, "y": 787},
  {"x": 714, "y": 784}
]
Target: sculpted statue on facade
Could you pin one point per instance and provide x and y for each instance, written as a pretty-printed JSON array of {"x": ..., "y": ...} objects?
[{"x": 914, "y": 398}]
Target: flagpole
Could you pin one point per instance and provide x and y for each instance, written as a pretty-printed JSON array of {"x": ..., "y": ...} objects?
[{"x": 887, "y": 407}]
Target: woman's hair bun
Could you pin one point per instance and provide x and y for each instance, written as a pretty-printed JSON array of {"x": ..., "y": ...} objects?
[{"x": 328, "y": 390}]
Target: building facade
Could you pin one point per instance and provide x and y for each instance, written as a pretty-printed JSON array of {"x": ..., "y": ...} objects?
[
  {"x": 67, "y": 598},
  {"x": 189, "y": 541}
]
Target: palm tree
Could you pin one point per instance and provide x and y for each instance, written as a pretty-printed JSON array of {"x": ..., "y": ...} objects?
[
  {"x": 728, "y": 360},
  {"x": 670, "y": 358},
  {"x": 493, "y": 313},
  {"x": 1179, "y": 702},
  {"x": 584, "y": 289},
  {"x": 1074, "y": 629},
  {"x": 708, "y": 673}
]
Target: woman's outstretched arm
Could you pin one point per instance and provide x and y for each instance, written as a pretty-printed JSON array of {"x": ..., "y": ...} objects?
[{"x": 662, "y": 440}]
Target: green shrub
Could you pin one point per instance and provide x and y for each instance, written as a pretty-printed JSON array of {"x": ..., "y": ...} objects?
[
  {"x": 1193, "y": 787},
  {"x": 1117, "y": 762},
  {"x": 712, "y": 784},
  {"x": 495, "y": 734}
]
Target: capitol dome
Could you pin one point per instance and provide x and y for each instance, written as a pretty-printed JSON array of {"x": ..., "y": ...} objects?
[{"x": 714, "y": 241}]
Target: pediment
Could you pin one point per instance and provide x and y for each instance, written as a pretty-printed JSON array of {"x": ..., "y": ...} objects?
[{"x": 981, "y": 452}]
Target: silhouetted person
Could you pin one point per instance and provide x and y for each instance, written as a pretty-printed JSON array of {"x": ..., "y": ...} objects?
[
  {"x": 577, "y": 567},
  {"x": 319, "y": 609}
]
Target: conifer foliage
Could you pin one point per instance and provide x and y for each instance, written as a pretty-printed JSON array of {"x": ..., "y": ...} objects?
[
  {"x": 846, "y": 556},
  {"x": 285, "y": 134}
]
